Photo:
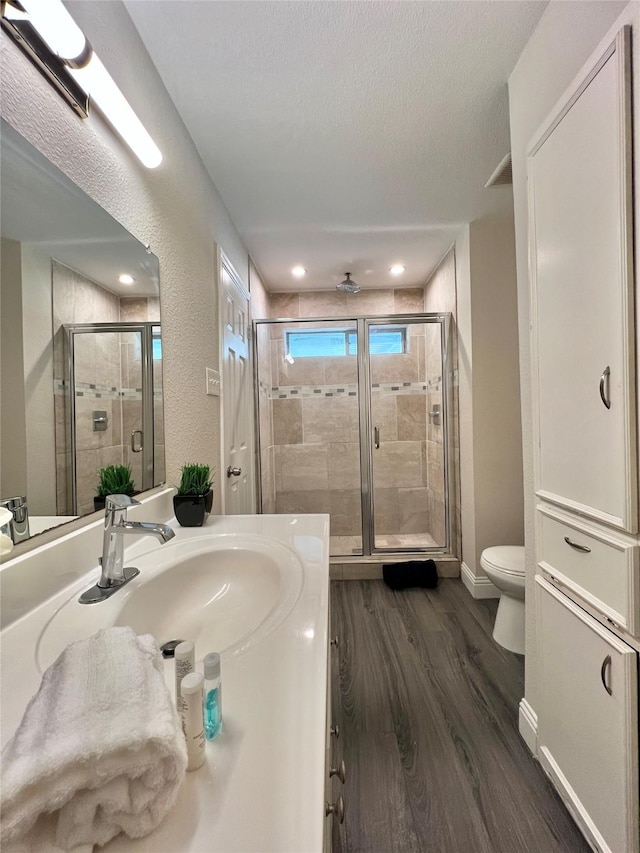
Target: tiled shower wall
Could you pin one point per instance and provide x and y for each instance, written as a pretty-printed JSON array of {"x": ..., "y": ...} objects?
[
  {"x": 108, "y": 376},
  {"x": 311, "y": 460}
]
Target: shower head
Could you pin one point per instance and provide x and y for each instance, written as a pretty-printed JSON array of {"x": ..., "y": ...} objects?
[{"x": 348, "y": 286}]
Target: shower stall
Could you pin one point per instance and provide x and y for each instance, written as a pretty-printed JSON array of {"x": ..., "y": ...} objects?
[
  {"x": 353, "y": 420},
  {"x": 111, "y": 409}
]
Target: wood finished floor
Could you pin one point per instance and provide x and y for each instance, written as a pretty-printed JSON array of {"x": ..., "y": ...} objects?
[{"x": 427, "y": 705}]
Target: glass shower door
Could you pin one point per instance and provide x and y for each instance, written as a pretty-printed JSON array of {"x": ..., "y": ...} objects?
[
  {"x": 408, "y": 484},
  {"x": 111, "y": 406},
  {"x": 309, "y": 428}
]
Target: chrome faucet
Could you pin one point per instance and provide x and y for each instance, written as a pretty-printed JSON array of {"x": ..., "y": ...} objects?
[
  {"x": 114, "y": 574},
  {"x": 19, "y": 526}
]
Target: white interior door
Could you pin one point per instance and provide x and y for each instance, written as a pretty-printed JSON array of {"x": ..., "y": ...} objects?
[{"x": 237, "y": 407}]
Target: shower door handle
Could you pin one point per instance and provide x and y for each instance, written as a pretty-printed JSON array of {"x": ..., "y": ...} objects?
[
  {"x": 136, "y": 448},
  {"x": 376, "y": 437},
  {"x": 604, "y": 387}
]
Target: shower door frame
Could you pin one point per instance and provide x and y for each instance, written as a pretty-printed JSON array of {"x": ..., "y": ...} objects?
[
  {"x": 145, "y": 328},
  {"x": 362, "y": 323}
]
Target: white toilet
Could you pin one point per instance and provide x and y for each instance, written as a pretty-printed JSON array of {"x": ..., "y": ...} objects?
[{"x": 504, "y": 566}]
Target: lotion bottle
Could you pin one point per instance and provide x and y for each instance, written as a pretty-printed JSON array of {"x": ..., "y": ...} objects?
[
  {"x": 185, "y": 658},
  {"x": 193, "y": 719}
]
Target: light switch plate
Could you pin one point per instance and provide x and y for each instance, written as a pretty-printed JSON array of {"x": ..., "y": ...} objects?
[{"x": 212, "y": 378}]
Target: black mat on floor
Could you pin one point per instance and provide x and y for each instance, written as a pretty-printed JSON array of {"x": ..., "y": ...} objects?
[{"x": 412, "y": 573}]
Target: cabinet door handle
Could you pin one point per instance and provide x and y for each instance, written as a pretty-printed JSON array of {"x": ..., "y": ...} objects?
[
  {"x": 376, "y": 437},
  {"x": 604, "y": 380},
  {"x": 583, "y": 548},
  {"x": 336, "y": 809},
  {"x": 340, "y": 771},
  {"x": 606, "y": 665}
]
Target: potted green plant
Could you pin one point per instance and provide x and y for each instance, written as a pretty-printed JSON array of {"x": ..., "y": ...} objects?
[
  {"x": 114, "y": 480},
  {"x": 194, "y": 500}
]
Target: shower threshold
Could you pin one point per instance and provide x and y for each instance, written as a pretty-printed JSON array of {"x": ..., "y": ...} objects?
[{"x": 348, "y": 546}]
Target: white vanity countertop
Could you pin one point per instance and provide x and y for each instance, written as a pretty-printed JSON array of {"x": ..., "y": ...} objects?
[{"x": 262, "y": 786}]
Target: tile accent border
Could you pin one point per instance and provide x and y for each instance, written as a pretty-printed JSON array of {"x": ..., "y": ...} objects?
[
  {"x": 395, "y": 389},
  {"x": 101, "y": 392}
]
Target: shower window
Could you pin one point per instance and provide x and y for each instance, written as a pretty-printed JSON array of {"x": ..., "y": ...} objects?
[{"x": 317, "y": 343}]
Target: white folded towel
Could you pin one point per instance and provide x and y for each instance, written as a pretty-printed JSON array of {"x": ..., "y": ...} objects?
[{"x": 99, "y": 750}]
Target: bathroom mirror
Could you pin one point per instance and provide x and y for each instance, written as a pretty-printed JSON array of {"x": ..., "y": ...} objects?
[{"x": 80, "y": 339}]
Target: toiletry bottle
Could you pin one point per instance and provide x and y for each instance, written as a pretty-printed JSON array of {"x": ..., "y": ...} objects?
[
  {"x": 193, "y": 719},
  {"x": 185, "y": 658},
  {"x": 212, "y": 696}
]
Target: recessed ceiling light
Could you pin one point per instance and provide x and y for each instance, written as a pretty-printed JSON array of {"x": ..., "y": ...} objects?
[
  {"x": 397, "y": 269},
  {"x": 298, "y": 272},
  {"x": 125, "y": 278}
]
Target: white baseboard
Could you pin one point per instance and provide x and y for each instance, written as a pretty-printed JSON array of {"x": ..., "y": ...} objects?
[
  {"x": 477, "y": 587},
  {"x": 528, "y": 725}
]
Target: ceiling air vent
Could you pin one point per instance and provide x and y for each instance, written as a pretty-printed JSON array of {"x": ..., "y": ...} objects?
[{"x": 502, "y": 174}]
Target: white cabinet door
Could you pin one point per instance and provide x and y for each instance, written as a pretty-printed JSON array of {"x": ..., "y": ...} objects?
[
  {"x": 582, "y": 298},
  {"x": 588, "y": 720}
]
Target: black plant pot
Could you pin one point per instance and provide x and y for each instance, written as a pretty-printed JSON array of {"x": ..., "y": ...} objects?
[
  {"x": 192, "y": 510},
  {"x": 99, "y": 501}
]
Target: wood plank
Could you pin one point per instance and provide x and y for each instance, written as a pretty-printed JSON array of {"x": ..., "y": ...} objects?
[{"x": 420, "y": 667}]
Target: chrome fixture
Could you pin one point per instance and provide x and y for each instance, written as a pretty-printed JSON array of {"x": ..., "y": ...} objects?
[
  {"x": 348, "y": 286},
  {"x": 116, "y": 525},
  {"x": 19, "y": 525},
  {"x": 233, "y": 472},
  {"x": 58, "y": 48}
]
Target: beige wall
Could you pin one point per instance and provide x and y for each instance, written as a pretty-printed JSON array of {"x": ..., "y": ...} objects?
[
  {"x": 496, "y": 386},
  {"x": 175, "y": 208},
  {"x": 565, "y": 37},
  {"x": 465, "y": 398},
  {"x": 13, "y": 445},
  {"x": 489, "y": 393},
  {"x": 440, "y": 297},
  {"x": 38, "y": 381}
]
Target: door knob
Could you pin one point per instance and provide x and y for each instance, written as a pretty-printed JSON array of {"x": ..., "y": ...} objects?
[{"x": 233, "y": 472}]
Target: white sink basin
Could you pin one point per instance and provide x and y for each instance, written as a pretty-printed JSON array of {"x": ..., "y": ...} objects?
[{"x": 224, "y": 592}]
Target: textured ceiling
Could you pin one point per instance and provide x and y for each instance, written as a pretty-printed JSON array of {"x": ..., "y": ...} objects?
[{"x": 344, "y": 135}]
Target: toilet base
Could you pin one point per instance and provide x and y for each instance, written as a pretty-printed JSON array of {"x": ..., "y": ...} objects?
[{"x": 508, "y": 629}]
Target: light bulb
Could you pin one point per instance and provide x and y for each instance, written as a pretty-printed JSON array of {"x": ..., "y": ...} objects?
[
  {"x": 298, "y": 272},
  {"x": 397, "y": 269},
  {"x": 125, "y": 278},
  {"x": 56, "y": 26}
]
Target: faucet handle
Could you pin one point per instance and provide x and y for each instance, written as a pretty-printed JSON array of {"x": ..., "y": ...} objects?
[{"x": 113, "y": 502}]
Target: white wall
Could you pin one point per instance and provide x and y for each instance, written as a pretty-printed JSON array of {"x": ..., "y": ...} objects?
[
  {"x": 175, "y": 208},
  {"x": 565, "y": 37}
]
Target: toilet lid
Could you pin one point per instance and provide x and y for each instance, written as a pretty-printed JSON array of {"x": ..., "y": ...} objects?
[{"x": 506, "y": 558}]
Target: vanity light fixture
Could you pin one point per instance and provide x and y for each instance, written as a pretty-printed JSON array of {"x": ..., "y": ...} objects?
[
  {"x": 298, "y": 272},
  {"x": 55, "y": 44},
  {"x": 397, "y": 269},
  {"x": 125, "y": 278}
]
